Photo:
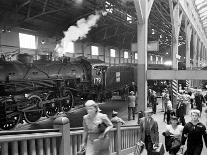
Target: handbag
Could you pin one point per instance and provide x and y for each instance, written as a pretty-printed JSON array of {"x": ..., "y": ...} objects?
[
  {"x": 176, "y": 143},
  {"x": 101, "y": 144},
  {"x": 102, "y": 127}
]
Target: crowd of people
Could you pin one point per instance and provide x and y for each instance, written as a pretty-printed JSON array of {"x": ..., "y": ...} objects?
[{"x": 177, "y": 131}]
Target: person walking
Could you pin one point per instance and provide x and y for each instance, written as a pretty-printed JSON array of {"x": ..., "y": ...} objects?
[
  {"x": 91, "y": 126},
  {"x": 199, "y": 100},
  {"x": 169, "y": 110},
  {"x": 131, "y": 105},
  {"x": 149, "y": 133},
  {"x": 181, "y": 111},
  {"x": 173, "y": 134},
  {"x": 115, "y": 119},
  {"x": 154, "y": 102},
  {"x": 194, "y": 131}
]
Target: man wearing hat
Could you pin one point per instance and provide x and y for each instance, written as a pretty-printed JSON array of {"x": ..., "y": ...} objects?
[
  {"x": 115, "y": 119},
  {"x": 149, "y": 133},
  {"x": 131, "y": 105}
]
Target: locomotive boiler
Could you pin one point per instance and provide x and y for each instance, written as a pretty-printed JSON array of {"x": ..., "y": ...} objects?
[{"x": 32, "y": 89}]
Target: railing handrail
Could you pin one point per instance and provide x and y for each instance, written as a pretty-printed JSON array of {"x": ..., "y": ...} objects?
[
  {"x": 9, "y": 138},
  {"x": 77, "y": 132},
  {"x": 14, "y": 132}
]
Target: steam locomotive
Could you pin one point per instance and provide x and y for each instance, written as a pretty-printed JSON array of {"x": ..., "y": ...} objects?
[{"x": 32, "y": 89}]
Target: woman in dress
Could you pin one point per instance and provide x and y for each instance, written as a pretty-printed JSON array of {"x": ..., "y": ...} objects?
[
  {"x": 91, "y": 123},
  {"x": 173, "y": 133},
  {"x": 194, "y": 131}
]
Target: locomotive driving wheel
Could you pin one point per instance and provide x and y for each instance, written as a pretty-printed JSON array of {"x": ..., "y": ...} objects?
[
  {"x": 11, "y": 119},
  {"x": 51, "y": 109},
  {"x": 67, "y": 103},
  {"x": 35, "y": 112}
]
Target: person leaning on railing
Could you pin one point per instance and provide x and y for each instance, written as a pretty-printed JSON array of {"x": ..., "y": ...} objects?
[{"x": 91, "y": 124}]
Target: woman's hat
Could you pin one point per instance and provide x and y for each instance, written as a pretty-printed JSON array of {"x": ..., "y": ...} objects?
[{"x": 92, "y": 103}]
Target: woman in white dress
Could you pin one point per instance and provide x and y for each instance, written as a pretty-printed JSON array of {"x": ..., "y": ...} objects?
[{"x": 91, "y": 123}]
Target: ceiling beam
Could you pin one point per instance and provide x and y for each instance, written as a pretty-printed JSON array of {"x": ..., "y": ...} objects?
[
  {"x": 176, "y": 75},
  {"x": 23, "y": 4}
]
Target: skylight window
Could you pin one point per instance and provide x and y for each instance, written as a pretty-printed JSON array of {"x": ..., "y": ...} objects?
[
  {"x": 94, "y": 50},
  {"x": 27, "y": 41},
  {"x": 112, "y": 53},
  {"x": 129, "y": 18},
  {"x": 135, "y": 56},
  {"x": 126, "y": 55},
  {"x": 204, "y": 9},
  {"x": 197, "y": 2},
  {"x": 109, "y": 7}
]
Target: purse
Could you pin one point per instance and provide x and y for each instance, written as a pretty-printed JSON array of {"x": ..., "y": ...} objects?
[
  {"x": 102, "y": 127},
  {"x": 176, "y": 143},
  {"x": 101, "y": 144}
]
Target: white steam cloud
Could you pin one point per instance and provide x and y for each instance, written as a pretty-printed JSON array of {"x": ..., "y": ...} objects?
[{"x": 79, "y": 31}]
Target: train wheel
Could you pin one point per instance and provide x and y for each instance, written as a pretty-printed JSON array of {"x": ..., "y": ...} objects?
[
  {"x": 9, "y": 119},
  {"x": 51, "y": 109},
  {"x": 35, "y": 113},
  {"x": 9, "y": 123},
  {"x": 68, "y": 102}
]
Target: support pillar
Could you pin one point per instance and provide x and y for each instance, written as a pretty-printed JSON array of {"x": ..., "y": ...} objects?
[
  {"x": 188, "y": 33},
  {"x": 176, "y": 18},
  {"x": 195, "y": 38},
  {"x": 199, "y": 54},
  {"x": 143, "y": 8}
]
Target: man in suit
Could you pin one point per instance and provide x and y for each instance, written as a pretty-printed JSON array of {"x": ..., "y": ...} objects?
[
  {"x": 181, "y": 110},
  {"x": 149, "y": 133}
]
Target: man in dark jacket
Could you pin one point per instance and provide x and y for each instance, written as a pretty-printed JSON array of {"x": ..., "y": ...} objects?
[
  {"x": 149, "y": 133},
  {"x": 181, "y": 111},
  {"x": 199, "y": 100}
]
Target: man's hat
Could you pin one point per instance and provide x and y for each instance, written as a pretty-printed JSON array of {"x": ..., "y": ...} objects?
[
  {"x": 132, "y": 92},
  {"x": 114, "y": 112}
]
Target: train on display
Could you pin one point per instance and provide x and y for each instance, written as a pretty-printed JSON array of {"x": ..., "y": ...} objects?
[
  {"x": 32, "y": 89},
  {"x": 119, "y": 78}
]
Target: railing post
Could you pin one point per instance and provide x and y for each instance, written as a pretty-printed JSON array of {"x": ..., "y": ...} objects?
[
  {"x": 64, "y": 144},
  {"x": 118, "y": 138}
]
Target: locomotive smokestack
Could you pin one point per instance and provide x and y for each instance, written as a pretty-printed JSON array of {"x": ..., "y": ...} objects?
[{"x": 79, "y": 31}]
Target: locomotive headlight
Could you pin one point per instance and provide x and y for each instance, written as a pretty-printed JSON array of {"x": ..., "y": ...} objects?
[{"x": 26, "y": 95}]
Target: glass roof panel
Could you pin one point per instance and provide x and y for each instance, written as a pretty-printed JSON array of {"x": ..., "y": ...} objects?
[
  {"x": 197, "y": 2},
  {"x": 203, "y": 14},
  {"x": 201, "y": 7},
  {"x": 204, "y": 9}
]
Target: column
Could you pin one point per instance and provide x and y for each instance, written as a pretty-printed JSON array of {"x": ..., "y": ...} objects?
[
  {"x": 143, "y": 8},
  {"x": 176, "y": 18}
]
